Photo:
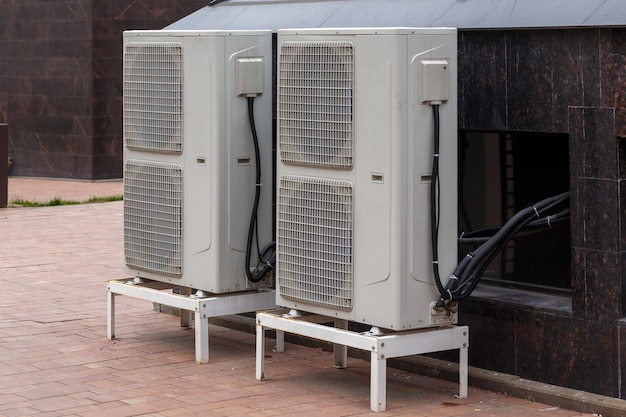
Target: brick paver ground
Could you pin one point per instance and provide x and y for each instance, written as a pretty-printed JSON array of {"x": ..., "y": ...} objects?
[{"x": 55, "y": 359}]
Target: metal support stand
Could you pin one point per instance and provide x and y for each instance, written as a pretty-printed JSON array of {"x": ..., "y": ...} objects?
[
  {"x": 201, "y": 305},
  {"x": 382, "y": 346}
]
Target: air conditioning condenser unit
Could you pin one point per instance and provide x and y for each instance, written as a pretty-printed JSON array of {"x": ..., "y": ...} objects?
[
  {"x": 355, "y": 152},
  {"x": 189, "y": 162}
]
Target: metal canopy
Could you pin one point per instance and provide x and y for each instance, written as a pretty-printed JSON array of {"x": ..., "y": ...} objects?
[{"x": 462, "y": 14}]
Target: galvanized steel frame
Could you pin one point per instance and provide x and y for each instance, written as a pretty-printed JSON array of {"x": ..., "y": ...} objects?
[
  {"x": 382, "y": 346},
  {"x": 201, "y": 305}
]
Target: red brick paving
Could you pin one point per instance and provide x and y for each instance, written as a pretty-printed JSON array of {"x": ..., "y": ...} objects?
[{"x": 55, "y": 359}]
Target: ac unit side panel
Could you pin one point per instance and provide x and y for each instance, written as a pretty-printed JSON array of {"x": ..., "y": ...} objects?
[
  {"x": 421, "y": 288},
  {"x": 240, "y": 151},
  {"x": 239, "y": 160},
  {"x": 434, "y": 49},
  {"x": 381, "y": 163},
  {"x": 381, "y": 158},
  {"x": 209, "y": 262}
]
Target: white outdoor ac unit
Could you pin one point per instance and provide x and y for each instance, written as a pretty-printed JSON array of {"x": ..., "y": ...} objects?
[
  {"x": 355, "y": 151},
  {"x": 189, "y": 162}
]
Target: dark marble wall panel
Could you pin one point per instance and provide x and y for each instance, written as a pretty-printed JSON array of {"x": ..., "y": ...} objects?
[
  {"x": 591, "y": 74},
  {"x": 613, "y": 67},
  {"x": 548, "y": 348},
  {"x": 601, "y": 374},
  {"x": 598, "y": 295},
  {"x": 596, "y": 165},
  {"x": 47, "y": 56},
  {"x": 60, "y": 80},
  {"x": 527, "y": 80},
  {"x": 621, "y": 330},
  {"x": 541, "y": 80},
  {"x": 482, "y": 80},
  {"x": 544, "y": 346},
  {"x": 492, "y": 335},
  {"x": 565, "y": 81},
  {"x": 595, "y": 148},
  {"x": 599, "y": 216}
]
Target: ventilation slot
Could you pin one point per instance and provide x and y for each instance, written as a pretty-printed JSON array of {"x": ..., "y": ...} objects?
[
  {"x": 315, "y": 241},
  {"x": 315, "y": 94},
  {"x": 153, "y": 217},
  {"x": 153, "y": 97}
]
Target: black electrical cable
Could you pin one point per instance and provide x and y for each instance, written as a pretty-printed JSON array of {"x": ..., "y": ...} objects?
[
  {"x": 435, "y": 202},
  {"x": 268, "y": 263},
  {"x": 469, "y": 270},
  {"x": 480, "y": 236}
]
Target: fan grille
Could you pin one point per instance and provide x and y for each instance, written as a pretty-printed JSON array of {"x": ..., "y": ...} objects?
[
  {"x": 315, "y": 241},
  {"x": 153, "y": 97},
  {"x": 315, "y": 93},
  {"x": 153, "y": 216}
]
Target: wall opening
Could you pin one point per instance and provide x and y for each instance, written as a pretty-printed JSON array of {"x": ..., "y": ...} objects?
[{"x": 500, "y": 173}]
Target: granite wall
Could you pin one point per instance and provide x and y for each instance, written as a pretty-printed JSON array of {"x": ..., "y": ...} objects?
[
  {"x": 60, "y": 81},
  {"x": 562, "y": 81}
]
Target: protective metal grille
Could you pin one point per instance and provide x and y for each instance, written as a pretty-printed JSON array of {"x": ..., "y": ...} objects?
[
  {"x": 153, "y": 96},
  {"x": 315, "y": 241},
  {"x": 153, "y": 216},
  {"x": 315, "y": 95}
]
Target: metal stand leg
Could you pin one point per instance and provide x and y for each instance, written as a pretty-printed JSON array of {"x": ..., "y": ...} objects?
[
  {"x": 378, "y": 382},
  {"x": 202, "y": 338},
  {"x": 185, "y": 315},
  {"x": 340, "y": 352},
  {"x": 280, "y": 341},
  {"x": 110, "y": 315},
  {"x": 463, "y": 362},
  {"x": 260, "y": 351}
]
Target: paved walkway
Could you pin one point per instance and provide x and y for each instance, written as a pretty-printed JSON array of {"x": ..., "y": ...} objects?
[{"x": 55, "y": 359}]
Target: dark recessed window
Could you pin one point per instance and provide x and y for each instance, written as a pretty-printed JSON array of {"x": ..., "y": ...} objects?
[{"x": 501, "y": 173}]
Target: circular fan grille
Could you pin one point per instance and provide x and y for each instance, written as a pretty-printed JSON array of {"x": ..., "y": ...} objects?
[
  {"x": 153, "y": 96},
  {"x": 315, "y": 241},
  {"x": 315, "y": 94},
  {"x": 153, "y": 217}
]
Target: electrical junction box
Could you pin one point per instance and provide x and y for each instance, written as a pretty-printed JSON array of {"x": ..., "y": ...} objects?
[
  {"x": 434, "y": 80},
  {"x": 250, "y": 76}
]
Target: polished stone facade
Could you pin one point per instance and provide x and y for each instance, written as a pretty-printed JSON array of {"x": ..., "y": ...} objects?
[
  {"x": 561, "y": 81},
  {"x": 60, "y": 81}
]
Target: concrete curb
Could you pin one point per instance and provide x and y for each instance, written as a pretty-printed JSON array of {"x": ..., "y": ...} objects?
[
  {"x": 515, "y": 386},
  {"x": 511, "y": 385}
]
